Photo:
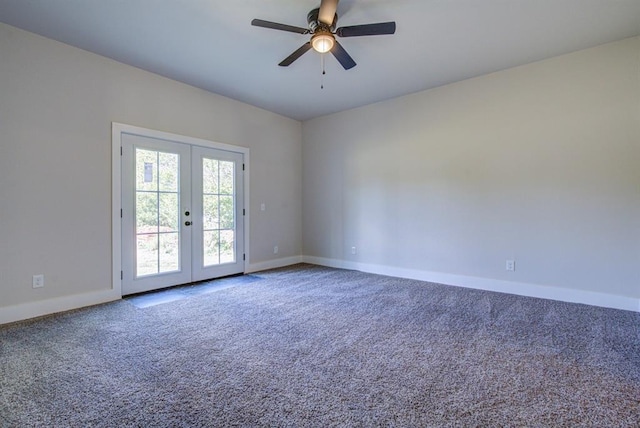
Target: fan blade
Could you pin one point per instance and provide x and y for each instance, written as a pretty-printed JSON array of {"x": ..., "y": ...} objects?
[
  {"x": 342, "y": 56},
  {"x": 276, "y": 26},
  {"x": 297, "y": 54},
  {"x": 327, "y": 11},
  {"x": 367, "y": 29}
]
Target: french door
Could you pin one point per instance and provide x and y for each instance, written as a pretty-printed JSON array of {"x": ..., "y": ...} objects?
[{"x": 182, "y": 213}]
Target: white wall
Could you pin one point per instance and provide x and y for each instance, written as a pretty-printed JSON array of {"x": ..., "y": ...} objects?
[
  {"x": 56, "y": 108},
  {"x": 539, "y": 163}
]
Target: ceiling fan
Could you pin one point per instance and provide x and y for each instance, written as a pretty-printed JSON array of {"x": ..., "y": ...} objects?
[{"x": 322, "y": 27}]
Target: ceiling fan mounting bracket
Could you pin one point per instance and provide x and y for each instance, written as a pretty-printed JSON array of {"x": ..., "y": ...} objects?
[{"x": 316, "y": 25}]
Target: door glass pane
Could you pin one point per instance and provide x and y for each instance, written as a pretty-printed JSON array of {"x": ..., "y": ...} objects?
[
  {"x": 210, "y": 213},
  {"x": 168, "y": 172},
  {"x": 226, "y": 178},
  {"x": 218, "y": 184},
  {"x": 169, "y": 212},
  {"x": 210, "y": 176},
  {"x": 211, "y": 248},
  {"x": 226, "y": 212},
  {"x": 146, "y": 212},
  {"x": 147, "y": 254},
  {"x": 227, "y": 253},
  {"x": 169, "y": 252},
  {"x": 146, "y": 170},
  {"x": 157, "y": 212}
]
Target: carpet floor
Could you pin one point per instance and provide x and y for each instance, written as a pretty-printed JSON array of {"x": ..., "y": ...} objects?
[{"x": 314, "y": 346}]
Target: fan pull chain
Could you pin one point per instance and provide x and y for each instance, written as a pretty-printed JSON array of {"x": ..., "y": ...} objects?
[{"x": 323, "y": 71}]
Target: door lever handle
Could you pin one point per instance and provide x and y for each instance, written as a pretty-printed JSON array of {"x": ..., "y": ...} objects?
[{"x": 187, "y": 223}]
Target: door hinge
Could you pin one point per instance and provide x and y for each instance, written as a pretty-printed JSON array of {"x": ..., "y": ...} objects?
[
  {"x": 243, "y": 212},
  {"x": 121, "y": 275},
  {"x": 244, "y": 257},
  {"x": 120, "y": 212},
  {"x": 120, "y": 150},
  {"x": 243, "y": 167}
]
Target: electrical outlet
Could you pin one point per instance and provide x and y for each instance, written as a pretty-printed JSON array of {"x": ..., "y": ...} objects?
[
  {"x": 353, "y": 250},
  {"x": 263, "y": 207},
  {"x": 275, "y": 250},
  {"x": 511, "y": 265},
  {"x": 38, "y": 281}
]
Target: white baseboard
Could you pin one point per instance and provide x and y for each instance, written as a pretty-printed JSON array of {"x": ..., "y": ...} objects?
[
  {"x": 522, "y": 289},
  {"x": 39, "y": 308},
  {"x": 28, "y": 310},
  {"x": 274, "y": 264}
]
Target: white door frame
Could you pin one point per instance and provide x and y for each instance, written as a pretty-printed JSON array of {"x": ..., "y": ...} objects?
[{"x": 117, "y": 129}]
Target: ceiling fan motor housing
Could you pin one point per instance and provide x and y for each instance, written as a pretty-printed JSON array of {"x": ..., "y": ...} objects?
[{"x": 316, "y": 25}]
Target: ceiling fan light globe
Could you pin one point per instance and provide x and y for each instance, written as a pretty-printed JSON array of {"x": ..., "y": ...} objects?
[{"x": 322, "y": 43}]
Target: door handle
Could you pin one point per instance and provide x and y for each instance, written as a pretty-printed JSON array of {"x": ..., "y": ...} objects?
[{"x": 187, "y": 223}]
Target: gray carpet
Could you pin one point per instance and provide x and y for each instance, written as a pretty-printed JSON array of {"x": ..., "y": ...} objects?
[{"x": 314, "y": 346}]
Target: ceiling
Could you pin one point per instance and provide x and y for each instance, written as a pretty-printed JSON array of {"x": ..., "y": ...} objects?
[{"x": 211, "y": 44}]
